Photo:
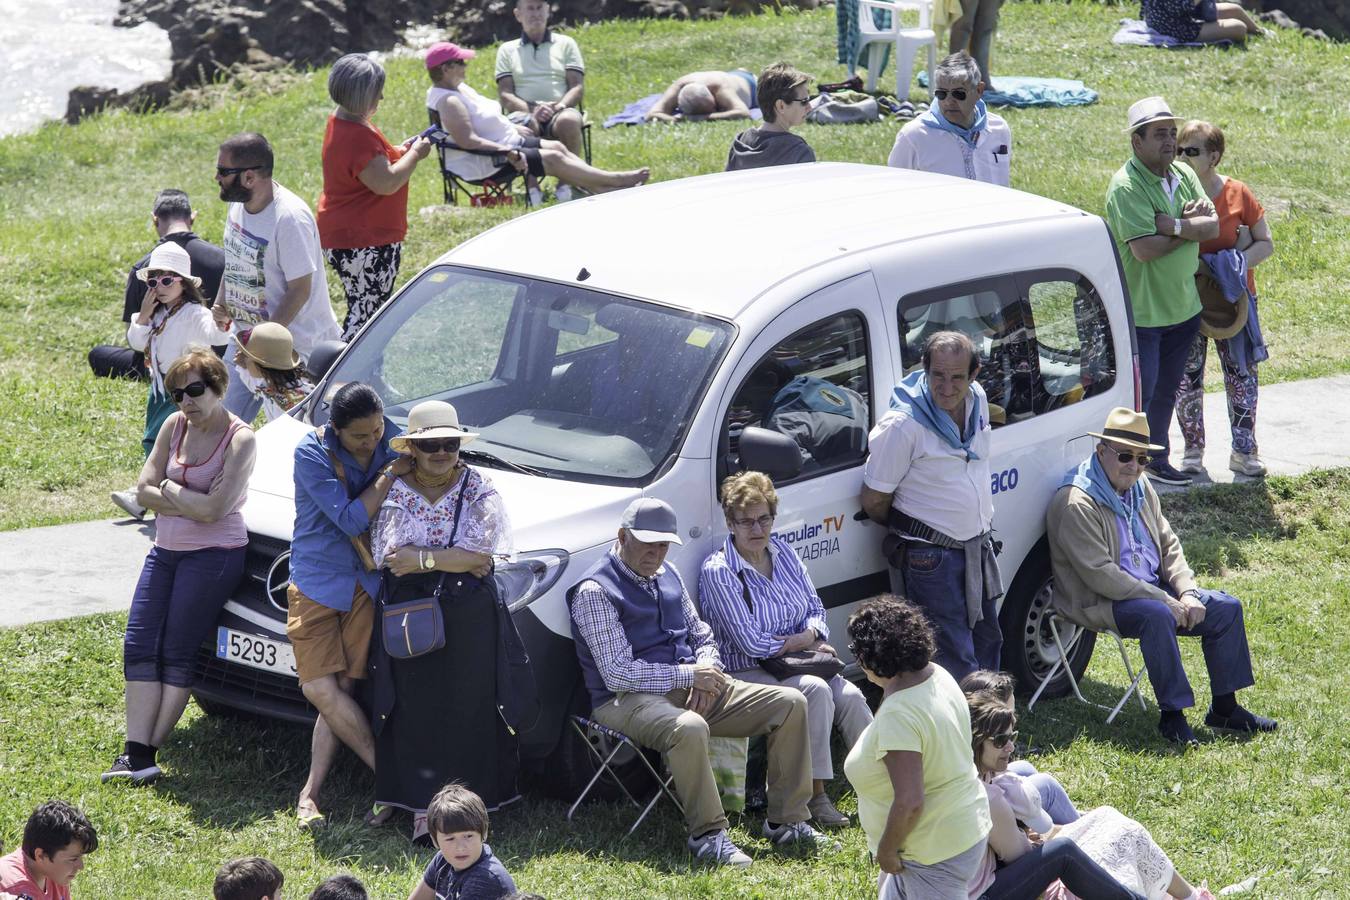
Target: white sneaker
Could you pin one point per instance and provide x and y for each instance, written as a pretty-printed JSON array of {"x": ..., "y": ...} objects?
[
  {"x": 536, "y": 196},
  {"x": 717, "y": 848},
  {"x": 799, "y": 833},
  {"x": 126, "y": 500},
  {"x": 1247, "y": 464},
  {"x": 1193, "y": 461},
  {"x": 563, "y": 193}
]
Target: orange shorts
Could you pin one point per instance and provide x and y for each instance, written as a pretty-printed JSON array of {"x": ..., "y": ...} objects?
[{"x": 328, "y": 641}]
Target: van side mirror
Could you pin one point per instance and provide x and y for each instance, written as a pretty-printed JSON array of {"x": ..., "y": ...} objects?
[
  {"x": 771, "y": 452},
  {"x": 322, "y": 357}
]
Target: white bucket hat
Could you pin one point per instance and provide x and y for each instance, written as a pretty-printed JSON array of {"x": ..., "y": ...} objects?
[
  {"x": 431, "y": 419},
  {"x": 1148, "y": 111},
  {"x": 169, "y": 257}
]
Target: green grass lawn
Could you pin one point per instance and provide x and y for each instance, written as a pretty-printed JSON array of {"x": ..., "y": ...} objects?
[
  {"x": 1275, "y": 806},
  {"x": 74, "y": 202}
]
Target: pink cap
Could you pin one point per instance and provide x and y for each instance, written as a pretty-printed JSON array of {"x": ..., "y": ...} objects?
[{"x": 445, "y": 52}]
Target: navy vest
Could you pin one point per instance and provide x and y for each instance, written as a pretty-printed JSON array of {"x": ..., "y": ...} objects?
[{"x": 655, "y": 628}]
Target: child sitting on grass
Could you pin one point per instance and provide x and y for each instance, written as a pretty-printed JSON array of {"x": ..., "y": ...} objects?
[
  {"x": 248, "y": 878},
  {"x": 463, "y": 866},
  {"x": 271, "y": 368}
]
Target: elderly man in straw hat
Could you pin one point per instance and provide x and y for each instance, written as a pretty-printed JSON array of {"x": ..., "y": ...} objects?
[
  {"x": 1159, "y": 213},
  {"x": 1118, "y": 564}
]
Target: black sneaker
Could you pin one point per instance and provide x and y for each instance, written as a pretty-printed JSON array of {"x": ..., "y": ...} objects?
[
  {"x": 136, "y": 771},
  {"x": 1161, "y": 470}
]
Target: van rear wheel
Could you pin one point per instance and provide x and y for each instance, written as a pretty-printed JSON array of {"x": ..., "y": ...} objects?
[{"x": 1029, "y": 649}]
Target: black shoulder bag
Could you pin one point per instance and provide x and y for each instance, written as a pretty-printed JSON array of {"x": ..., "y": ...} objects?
[
  {"x": 801, "y": 662},
  {"x": 416, "y": 627}
]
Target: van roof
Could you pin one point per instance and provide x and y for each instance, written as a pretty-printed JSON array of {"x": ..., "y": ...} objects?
[{"x": 713, "y": 243}]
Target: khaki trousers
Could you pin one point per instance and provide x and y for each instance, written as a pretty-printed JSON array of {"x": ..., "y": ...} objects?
[{"x": 661, "y": 722}]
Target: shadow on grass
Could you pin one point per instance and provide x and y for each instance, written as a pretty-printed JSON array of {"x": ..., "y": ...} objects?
[{"x": 1217, "y": 524}]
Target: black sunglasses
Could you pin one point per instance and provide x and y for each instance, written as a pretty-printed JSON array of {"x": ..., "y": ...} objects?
[
  {"x": 804, "y": 101},
  {"x": 958, "y": 93},
  {"x": 1125, "y": 456},
  {"x": 227, "y": 171},
  {"x": 161, "y": 280},
  {"x": 447, "y": 445},
  {"x": 1004, "y": 739},
  {"x": 1191, "y": 151},
  {"x": 195, "y": 389}
]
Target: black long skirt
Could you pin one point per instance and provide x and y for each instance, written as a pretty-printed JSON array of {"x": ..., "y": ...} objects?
[{"x": 444, "y": 725}]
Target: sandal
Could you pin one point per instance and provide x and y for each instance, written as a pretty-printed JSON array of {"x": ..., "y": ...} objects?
[
  {"x": 378, "y": 815},
  {"x": 308, "y": 817}
]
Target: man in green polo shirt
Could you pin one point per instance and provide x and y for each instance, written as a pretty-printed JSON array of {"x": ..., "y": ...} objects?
[
  {"x": 1159, "y": 213},
  {"x": 540, "y": 78}
]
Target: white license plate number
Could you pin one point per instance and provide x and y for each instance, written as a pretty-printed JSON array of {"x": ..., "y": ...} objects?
[{"x": 255, "y": 651}]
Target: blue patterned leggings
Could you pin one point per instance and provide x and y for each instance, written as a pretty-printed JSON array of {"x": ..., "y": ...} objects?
[
  {"x": 367, "y": 275},
  {"x": 1241, "y": 390}
]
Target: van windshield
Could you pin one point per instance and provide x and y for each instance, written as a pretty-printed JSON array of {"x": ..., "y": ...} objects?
[{"x": 573, "y": 382}]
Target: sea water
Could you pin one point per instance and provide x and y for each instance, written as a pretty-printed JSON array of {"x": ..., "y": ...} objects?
[{"x": 48, "y": 47}]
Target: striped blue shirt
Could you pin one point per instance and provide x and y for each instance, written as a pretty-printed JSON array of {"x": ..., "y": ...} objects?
[{"x": 784, "y": 604}]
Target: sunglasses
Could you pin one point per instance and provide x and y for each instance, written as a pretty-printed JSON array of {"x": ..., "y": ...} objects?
[
  {"x": 1192, "y": 151},
  {"x": 804, "y": 101},
  {"x": 195, "y": 389},
  {"x": 161, "y": 280},
  {"x": 227, "y": 171},
  {"x": 1124, "y": 457},
  {"x": 762, "y": 522},
  {"x": 1004, "y": 739},
  {"x": 958, "y": 93},
  {"x": 447, "y": 445}
]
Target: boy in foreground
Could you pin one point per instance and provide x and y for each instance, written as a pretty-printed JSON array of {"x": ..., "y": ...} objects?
[{"x": 463, "y": 866}]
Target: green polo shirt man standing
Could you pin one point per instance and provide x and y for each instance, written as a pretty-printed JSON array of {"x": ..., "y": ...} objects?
[
  {"x": 540, "y": 78},
  {"x": 1159, "y": 213}
]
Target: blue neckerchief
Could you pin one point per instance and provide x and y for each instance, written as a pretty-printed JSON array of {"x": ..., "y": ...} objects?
[
  {"x": 934, "y": 119},
  {"x": 1089, "y": 476},
  {"x": 912, "y": 396}
]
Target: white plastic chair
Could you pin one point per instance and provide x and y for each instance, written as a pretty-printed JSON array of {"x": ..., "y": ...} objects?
[
  {"x": 1066, "y": 648},
  {"x": 907, "y": 41}
]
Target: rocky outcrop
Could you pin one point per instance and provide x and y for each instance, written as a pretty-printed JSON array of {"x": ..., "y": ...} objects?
[{"x": 1332, "y": 17}]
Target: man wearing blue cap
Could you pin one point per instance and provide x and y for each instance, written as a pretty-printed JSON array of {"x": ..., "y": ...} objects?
[{"x": 652, "y": 670}]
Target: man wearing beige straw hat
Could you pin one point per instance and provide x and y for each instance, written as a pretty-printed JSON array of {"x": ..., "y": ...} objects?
[
  {"x": 1118, "y": 565},
  {"x": 1159, "y": 213},
  {"x": 269, "y": 366}
]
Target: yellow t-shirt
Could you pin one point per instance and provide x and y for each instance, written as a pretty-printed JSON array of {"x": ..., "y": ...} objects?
[{"x": 932, "y": 719}]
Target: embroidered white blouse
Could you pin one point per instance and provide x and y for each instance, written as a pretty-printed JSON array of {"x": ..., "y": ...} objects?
[{"x": 407, "y": 519}]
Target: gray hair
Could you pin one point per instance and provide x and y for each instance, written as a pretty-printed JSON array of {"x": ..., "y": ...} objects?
[
  {"x": 960, "y": 67},
  {"x": 950, "y": 342},
  {"x": 355, "y": 83},
  {"x": 695, "y": 99}
]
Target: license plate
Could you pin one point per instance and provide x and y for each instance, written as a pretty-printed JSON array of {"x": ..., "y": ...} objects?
[{"x": 255, "y": 651}]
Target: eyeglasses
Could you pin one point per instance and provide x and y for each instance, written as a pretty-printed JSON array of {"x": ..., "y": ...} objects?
[
  {"x": 804, "y": 101},
  {"x": 1124, "y": 457},
  {"x": 227, "y": 171},
  {"x": 161, "y": 280},
  {"x": 763, "y": 522},
  {"x": 1191, "y": 151},
  {"x": 447, "y": 445},
  {"x": 958, "y": 93},
  {"x": 1004, "y": 739},
  {"x": 195, "y": 389}
]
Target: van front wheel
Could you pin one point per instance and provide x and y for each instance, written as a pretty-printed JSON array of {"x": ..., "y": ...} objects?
[{"x": 1029, "y": 649}]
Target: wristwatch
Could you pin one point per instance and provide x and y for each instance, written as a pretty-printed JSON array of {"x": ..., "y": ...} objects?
[
  {"x": 428, "y": 561},
  {"x": 1176, "y": 228}
]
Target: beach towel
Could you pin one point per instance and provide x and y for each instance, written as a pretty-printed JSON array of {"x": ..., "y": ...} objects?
[
  {"x": 1135, "y": 33},
  {"x": 1021, "y": 91},
  {"x": 635, "y": 113}
]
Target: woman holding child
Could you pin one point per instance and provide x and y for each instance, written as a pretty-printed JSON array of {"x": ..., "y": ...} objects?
[
  {"x": 195, "y": 479},
  {"x": 439, "y": 532}
]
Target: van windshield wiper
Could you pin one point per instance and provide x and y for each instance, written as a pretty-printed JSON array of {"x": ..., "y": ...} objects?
[{"x": 493, "y": 459}]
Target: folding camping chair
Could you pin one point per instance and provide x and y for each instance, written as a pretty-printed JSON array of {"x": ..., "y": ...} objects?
[
  {"x": 585, "y": 729},
  {"x": 1065, "y": 648},
  {"x": 493, "y": 191}
]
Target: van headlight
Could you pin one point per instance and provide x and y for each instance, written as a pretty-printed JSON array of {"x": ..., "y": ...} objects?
[{"x": 522, "y": 582}]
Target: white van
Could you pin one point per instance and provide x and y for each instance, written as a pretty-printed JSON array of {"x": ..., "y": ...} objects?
[{"x": 644, "y": 342}]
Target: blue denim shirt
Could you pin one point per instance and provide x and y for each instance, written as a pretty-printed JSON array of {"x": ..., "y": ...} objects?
[{"x": 328, "y": 514}]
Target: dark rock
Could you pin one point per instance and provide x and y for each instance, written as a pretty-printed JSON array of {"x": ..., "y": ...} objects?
[
  {"x": 1332, "y": 17},
  {"x": 84, "y": 101}
]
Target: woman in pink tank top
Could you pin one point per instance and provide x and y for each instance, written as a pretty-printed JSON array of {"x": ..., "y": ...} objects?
[{"x": 195, "y": 479}]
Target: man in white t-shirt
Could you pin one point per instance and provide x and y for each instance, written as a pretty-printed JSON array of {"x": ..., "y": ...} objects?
[
  {"x": 958, "y": 135},
  {"x": 927, "y": 480},
  {"x": 273, "y": 265}
]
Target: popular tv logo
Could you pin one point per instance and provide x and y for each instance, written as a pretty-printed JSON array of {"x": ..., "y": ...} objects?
[{"x": 812, "y": 541}]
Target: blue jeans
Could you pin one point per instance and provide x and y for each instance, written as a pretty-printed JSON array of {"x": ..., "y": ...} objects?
[
  {"x": 177, "y": 599},
  {"x": 1054, "y": 799},
  {"x": 935, "y": 580},
  {"x": 1162, "y": 362},
  {"x": 1031, "y": 873},
  {"x": 1223, "y": 638}
]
